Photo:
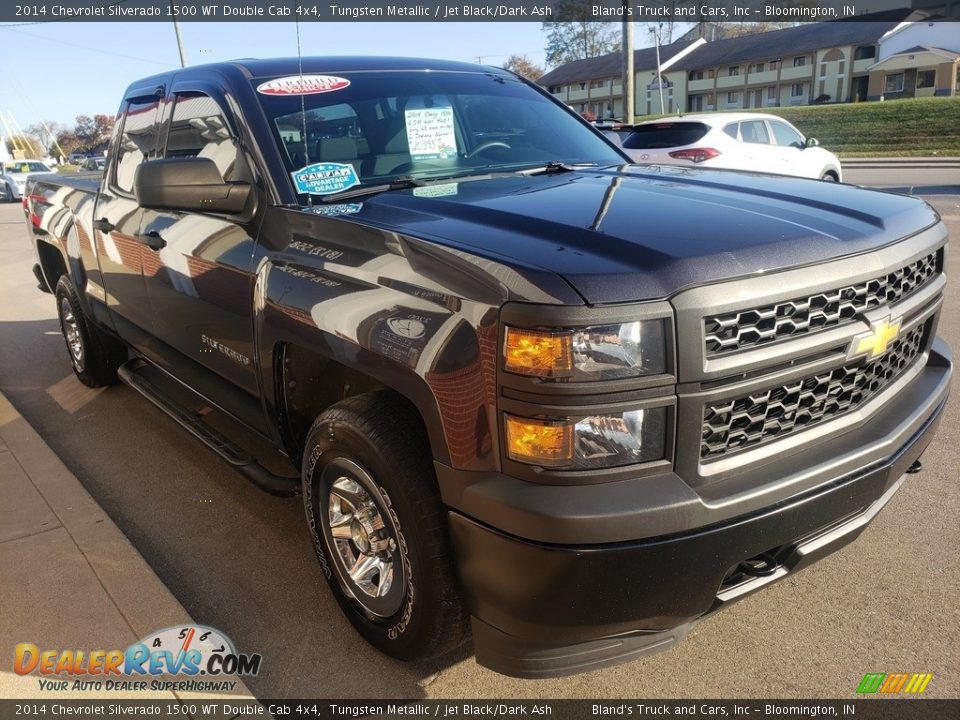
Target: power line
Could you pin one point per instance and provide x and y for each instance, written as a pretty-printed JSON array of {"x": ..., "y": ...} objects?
[{"x": 90, "y": 49}]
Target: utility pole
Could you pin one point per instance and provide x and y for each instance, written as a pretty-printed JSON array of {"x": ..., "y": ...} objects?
[
  {"x": 627, "y": 80},
  {"x": 176, "y": 29}
]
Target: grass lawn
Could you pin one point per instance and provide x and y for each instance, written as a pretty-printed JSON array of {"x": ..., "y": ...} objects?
[{"x": 916, "y": 127}]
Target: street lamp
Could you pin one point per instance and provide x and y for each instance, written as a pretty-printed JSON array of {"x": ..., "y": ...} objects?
[{"x": 655, "y": 31}]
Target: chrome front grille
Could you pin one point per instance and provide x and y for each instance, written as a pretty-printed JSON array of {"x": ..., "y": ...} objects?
[
  {"x": 729, "y": 332},
  {"x": 759, "y": 417}
]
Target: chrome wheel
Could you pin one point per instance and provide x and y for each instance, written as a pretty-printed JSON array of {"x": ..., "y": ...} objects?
[
  {"x": 71, "y": 333},
  {"x": 363, "y": 536}
]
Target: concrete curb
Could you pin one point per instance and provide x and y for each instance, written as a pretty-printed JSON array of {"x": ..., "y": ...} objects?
[
  {"x": 904, "y": 162},
  {"x": 69, "y": 573}
]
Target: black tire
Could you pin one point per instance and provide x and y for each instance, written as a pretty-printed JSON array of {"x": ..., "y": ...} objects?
[
  {"x": 8, "y": 193},
  {"x": 94, "y": 355},
  {"x": 829, "y": 176},
  {"x": 375, "y": 444}
]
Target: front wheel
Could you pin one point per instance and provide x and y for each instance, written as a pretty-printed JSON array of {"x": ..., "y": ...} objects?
[{"x": 379, "y": 528}]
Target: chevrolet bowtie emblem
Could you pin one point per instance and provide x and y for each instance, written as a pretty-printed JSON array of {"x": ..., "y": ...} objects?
[{"x": 876, "y": 340}]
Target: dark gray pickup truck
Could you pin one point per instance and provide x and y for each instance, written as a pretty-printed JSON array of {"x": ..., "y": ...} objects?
[{"x": 524, "y": 387}]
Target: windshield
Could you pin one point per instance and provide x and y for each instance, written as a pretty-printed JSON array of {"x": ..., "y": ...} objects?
[
  {"x": 368, "y": 128},
  {"x": 26, "y": 167}
]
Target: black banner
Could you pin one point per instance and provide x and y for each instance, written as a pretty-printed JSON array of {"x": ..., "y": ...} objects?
[
  {"x": 874, "y": 709},
  {"x": 43, "y": 11}
]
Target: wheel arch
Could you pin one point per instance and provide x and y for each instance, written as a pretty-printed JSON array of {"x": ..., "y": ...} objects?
[{"x": 307, "y": 381}]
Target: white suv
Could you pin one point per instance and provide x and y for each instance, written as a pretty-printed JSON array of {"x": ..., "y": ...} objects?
[{"x": 734, "y": 141}]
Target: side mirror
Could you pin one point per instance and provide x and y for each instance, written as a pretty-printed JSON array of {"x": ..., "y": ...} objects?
[
  {"x": 192, "y": 183},
  {"x": 811, "y": 142}
]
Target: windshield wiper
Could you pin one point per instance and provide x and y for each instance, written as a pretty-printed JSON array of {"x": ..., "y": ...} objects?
[
  {"x": 400, "y": 183},
  {"x": 555, "y": 166}
]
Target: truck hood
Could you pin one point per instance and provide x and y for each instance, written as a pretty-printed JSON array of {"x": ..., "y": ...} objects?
[{"x": 630, "y": 233}]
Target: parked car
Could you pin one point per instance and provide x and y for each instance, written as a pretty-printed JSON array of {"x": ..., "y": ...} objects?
[
  {"x": 14, "y": 176},
  {"x": 735, "y": 141},
  {"x": 527, "y": 389},
  {"x": 76, "y": 158},
  {"x": 98, "y": 162}
]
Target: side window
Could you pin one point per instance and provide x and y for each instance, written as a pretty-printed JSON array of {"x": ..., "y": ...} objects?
[
  {"x": 785, "y": 135},
  {"x": 754, "y": 131},
  {"x": 198, "y": 129},
  {"x": 731, "y": 130},
  {"x": 138, "y": 142}
]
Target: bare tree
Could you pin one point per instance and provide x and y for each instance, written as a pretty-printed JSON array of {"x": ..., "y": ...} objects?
[
  {"x": 46, "y": 132},
  {"x": 575, "y": 35}
]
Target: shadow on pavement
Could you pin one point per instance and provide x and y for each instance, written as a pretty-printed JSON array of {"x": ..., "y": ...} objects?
[{"x": 236, "y": 558}]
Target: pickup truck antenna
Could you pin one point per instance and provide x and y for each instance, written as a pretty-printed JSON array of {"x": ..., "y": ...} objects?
[{"x": 303, "y": 110}]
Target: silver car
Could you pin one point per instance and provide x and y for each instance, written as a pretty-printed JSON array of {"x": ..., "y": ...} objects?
[{"x": 13, "y": 179}]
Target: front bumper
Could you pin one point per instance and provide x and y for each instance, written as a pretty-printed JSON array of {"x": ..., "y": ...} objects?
[{"x": 543, "y": 609}]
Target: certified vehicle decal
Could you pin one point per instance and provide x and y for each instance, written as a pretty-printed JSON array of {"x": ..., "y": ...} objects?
[
  {"x": 303, "y": 85},
  {"x": 325, "y": 178},
  {"x": 430, "y": 133}
]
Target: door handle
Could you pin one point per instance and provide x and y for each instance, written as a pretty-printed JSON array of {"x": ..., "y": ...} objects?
[
  {"x": 103, "y": 225},
  {"x": 152, "y": 240}
]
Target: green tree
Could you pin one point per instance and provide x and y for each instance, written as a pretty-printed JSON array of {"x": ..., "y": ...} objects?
[{"x": 522, "y": 66}]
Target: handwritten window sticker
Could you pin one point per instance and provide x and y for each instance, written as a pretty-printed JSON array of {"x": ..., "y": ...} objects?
[
  {"x": 430, "y": 130},
  {"x": 325, "y": 178}
]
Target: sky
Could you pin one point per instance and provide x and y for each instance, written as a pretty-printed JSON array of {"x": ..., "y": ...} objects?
[{"x": 56, "y": 71}]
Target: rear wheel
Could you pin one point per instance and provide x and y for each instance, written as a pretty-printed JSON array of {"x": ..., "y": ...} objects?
[
  {"x": 379, "y": 527},
  {"x": 829, "y": 176},
  {"x": 94, "y": 355}
]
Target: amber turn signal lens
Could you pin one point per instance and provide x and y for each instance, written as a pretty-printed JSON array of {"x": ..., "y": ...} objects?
[
  {"x": 539, "y": 353},
  {"x": 539, "y": 442}
]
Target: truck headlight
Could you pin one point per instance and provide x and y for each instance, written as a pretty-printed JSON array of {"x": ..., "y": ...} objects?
[
  {"x": 602, "y": 352},
  {"x": 595, "y": 441}
]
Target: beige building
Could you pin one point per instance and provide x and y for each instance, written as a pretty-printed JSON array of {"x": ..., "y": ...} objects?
[{"x": 842, "y": 61}]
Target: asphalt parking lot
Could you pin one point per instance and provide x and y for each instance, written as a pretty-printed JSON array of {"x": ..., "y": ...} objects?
[{"x": 241, "y": 561}]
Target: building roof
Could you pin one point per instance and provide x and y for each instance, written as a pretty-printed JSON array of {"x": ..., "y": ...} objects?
[
  {"x": 803, "y": 38},
  {"x": 918, "y": 49},
  {"x": 610, "y": 65}
]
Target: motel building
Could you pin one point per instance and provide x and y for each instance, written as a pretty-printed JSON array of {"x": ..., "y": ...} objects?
[{"x": 901, "y": 55}]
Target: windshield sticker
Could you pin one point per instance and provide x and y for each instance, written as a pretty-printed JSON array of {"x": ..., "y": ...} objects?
[
  {"x": 430, "y": 133},
  {"x": 432, "y": 191},
  {"x": 335, "y": 210},
  {"x": 325, "y": 178},
  {"x": 303, "y": 85}
]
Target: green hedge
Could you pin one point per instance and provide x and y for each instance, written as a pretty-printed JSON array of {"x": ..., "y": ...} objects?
[{"x": 912, "y": 127}]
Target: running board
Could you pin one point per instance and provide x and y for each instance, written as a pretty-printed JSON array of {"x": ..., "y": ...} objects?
[{"x": 136, "y": 373}]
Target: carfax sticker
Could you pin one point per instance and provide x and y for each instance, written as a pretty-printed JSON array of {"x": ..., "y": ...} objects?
[
  {"x": 303, "y": 85},
  {"x": 325, "y": 178}
]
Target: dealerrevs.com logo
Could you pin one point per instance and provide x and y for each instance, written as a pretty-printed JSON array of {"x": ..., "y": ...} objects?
[{"x": 190, "y": 651}]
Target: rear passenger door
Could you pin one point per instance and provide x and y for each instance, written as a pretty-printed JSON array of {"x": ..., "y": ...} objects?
[
  {"x": 117, "y": 219},
  {"x": 760, "y": 154},
  {"x": 199, "y": 278}
]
